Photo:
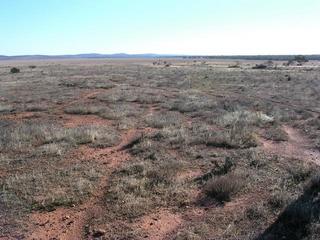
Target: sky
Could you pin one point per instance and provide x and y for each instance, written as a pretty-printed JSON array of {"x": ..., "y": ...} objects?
[{"x": 198, "y": 27}]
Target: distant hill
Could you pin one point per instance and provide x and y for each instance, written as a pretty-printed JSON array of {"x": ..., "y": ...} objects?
[
  {"x": 81, "y": 56},
  {"x": 255, "y": 57},
  {"x": 153, "y": 55}
]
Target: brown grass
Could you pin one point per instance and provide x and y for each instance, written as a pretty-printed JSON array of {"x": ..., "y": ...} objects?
[
  {"x": 205, "y": 129},
  {"x": 222, "y": 188}
]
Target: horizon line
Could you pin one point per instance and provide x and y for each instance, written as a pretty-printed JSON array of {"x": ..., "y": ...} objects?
[{"x": 155, "y": 54}]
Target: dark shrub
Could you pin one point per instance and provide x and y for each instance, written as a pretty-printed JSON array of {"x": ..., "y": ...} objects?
[
  {"x": 222, "y": 188},
  {"x": 300, "y": 59},
  {"x": 313, "y": 185},
  {"x": 259, "y": 66},
  {"x": 14, "y": 70}
]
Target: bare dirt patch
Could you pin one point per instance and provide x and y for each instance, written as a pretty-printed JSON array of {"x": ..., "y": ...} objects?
[
  {"x": 69, "y": 223},
  {"x": 297, "y": 146},
  {"x": 158, "y": 225},
  {"x": 76, "y": 121}
]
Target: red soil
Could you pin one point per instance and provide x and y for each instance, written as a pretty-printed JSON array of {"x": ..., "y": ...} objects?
[
  {"x": 68, "y": 223},
  {"x": 158, "y": 225},
  {"x": 297, "y": 146},
  {"x": 77, "y": 120}
]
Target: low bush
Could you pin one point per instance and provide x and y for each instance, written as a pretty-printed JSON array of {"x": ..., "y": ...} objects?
[
  {"x": 278, "y": 200},
  {"x": 259, "y": 66},
  {"x": 222, "y": 188},
  {"x": 14, "y": 70},
  {"x": 136, "y": 189},
  {"x": 83, "y": 110},
  {"x": 4, "y": 108},
  {"x": 164, "y": 119},
  {"x": 276, "y": 134}
]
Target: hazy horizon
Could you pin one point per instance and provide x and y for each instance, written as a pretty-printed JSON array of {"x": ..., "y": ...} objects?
[{"x": 176, "y": 27}]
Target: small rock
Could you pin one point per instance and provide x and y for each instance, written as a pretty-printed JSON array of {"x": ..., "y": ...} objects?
[
  {"x": 66, "y": 218},
  {"x": 98, "y": 233},
  {"x": 69, "y": 223},
  {"x": 44, "y": 223}
]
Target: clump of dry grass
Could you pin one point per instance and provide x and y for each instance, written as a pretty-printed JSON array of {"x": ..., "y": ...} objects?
[
  {"x": 175, "y": 135},
  {"x": 30, "y": 134},
  {"x": 84, "y": 110},
  {"x": 257, "y": 212},
  {"x": 164, "y": 119},
  {"x": 250, "y": 118},
  {"x": 51, "y": 149},
  {"x": 240, "y": 127},
  {"x": 120, "y": 111},
  {"x": 239, "y": 135},
  {"x": 143, "y": 96},
  {"x": 5, "y": 108},
  {"x": 278, "y": 200},
  {"x": 91, "y": 84},
  {"x": 299, "y": 173},
  {"x": 276, "y": 133},
  {"x": 191, "y": 102},
  {"x": 50, "y": 187},
  {"x": 150, "y": 181},
  {"x": 222, "y": 188},
  {"x": 36, "y": 107},
  {"x": 125, "y": 114}
]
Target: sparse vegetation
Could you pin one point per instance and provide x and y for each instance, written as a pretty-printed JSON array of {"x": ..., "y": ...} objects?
[
  {"x": 30, "y": 134},
  {"x": 6, "y": 108},
  {"x": 14, "y": 70},
  {"x": 49, "y": 188},
  {"x": 260, "y": 66},
  {"x": 84, "y": 110},
  {"x": 276, "y": 133},
  {"x": 142, "y": 186},
  {"x": 160, "y": 120},
  {"x": 222, "y": 188},
  {"x": 205, "y": 147},
  {"x": 236, "y": 65}
]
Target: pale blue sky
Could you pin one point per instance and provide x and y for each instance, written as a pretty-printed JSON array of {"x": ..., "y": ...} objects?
[{"x": 160, "y": 26}]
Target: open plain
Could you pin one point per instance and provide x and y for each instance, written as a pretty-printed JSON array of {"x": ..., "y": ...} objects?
[{"x": 159, "y": 149}]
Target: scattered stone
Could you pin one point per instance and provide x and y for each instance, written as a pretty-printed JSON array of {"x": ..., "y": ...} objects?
[
  {"x": 98, "y": 233},
  {"x": 66, "y": 218}
]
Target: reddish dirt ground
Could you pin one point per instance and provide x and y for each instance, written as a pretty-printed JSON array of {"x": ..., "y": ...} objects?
[
  {"x": 18, "y": 116},
  {"x": 297, "y": 146},
  {"x": 76, "y": 120},
  {"x": 158, "y": 225},
  {"x": 68, "y": 223}
]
